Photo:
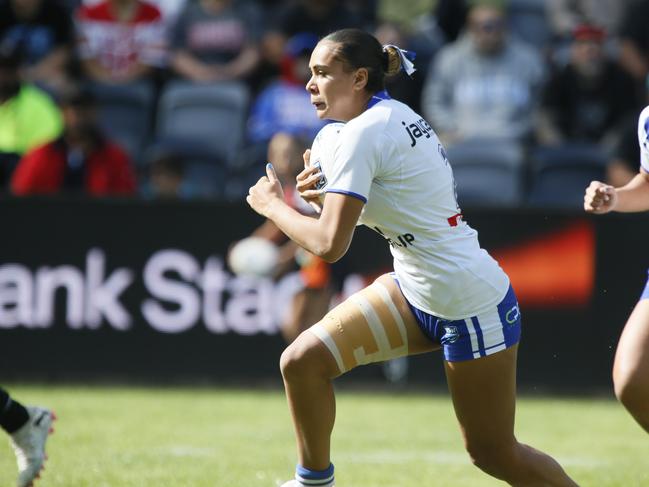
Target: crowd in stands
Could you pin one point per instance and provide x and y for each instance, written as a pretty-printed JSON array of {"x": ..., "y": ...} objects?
[{"x": 183, "y": 98}]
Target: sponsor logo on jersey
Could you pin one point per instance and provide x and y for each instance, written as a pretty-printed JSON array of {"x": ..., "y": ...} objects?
[
  {"x": 403, "y": 240},
  {"x": 417, "y": 129}
]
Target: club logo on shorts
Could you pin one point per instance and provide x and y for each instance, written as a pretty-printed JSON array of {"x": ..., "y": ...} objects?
[
  {"x": 513, "y": 315},
  {"x": 451, "y": 334}
]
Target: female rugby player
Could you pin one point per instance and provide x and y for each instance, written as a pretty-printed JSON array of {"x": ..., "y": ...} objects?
[
  {"x": 631, "y": 366},
  {"x": 387, "y": 170}
]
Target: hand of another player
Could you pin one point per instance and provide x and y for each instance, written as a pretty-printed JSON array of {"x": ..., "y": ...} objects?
[
  {"x": 599, "y": 198},
  {"x": 305, "y": 183},
  {"x": 267, "y": 190}
]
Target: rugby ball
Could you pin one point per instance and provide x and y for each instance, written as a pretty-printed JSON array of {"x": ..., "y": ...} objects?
[{"x": 253, "y": 256}]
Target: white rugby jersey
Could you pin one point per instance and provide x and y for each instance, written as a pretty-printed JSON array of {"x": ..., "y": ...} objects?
[
  {"x": 643, "y": 138},
  {"x": 391, "y": 159}
]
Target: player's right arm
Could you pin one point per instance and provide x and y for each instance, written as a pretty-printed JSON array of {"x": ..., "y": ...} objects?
[{"x": 633, "y": 197}]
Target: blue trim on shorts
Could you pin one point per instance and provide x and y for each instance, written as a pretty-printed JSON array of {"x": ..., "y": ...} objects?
[
  {"x": 645, "y": 291},
  {"x": 461, "y": 341}
]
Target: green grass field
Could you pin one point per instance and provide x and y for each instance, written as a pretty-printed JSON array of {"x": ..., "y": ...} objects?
[{"x": 123, "y": 437}]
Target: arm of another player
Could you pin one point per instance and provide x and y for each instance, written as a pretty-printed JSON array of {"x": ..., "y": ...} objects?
[
  {"x": 328, "y": 236},
  {"x": 633, "y": 197}
]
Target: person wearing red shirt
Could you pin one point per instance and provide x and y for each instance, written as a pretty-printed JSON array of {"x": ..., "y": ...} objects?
[
  {"x": 120, "y": 41},
  {"x": 82, "y": 159}
]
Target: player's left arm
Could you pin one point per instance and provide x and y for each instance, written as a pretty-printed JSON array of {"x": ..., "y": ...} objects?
[{"x": 327, "y": 236}]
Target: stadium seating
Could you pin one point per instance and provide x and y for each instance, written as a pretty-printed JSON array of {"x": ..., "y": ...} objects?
[
  {"x": 212, "y": 116},
  {"x": 561, "y": 174},
  {"x": 203, "y": 176},
  {"x": 488, "y": 172},
  {"x": 126, "y": 114}
]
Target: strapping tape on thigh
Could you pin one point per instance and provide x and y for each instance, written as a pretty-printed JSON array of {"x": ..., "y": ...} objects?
[{"x": 366, "y": 328}]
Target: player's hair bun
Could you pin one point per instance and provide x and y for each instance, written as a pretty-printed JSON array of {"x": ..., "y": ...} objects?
[{"x": 391, "y": 60}]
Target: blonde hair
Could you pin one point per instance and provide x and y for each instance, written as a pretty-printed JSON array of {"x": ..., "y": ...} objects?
[{"x": 392, "y": 63}]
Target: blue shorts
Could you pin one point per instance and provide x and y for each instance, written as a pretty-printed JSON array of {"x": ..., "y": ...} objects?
[
  {"x": 645, "y": 292},
  {"x": 476, "y": 336}
]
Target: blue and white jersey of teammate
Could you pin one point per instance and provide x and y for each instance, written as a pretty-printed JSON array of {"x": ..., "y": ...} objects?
[
  {"x": 391, "y": 159},
  {"x": 643, "y": 138}
]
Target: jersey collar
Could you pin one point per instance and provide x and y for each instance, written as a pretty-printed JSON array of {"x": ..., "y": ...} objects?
[{"x": 381, "y": 95}]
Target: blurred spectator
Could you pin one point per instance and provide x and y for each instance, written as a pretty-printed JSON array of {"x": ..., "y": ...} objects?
[
  {"x": 169, "y": 9},
  {"x": 634, "y": 40},
  {"x": 366, "y": 10},
  {"x": 314, "y": 294},
  {"x": 318, "y": 17},
  {"x": 486, "y": 84},
  {"x": 82, "y": 159},
  {"x": 166, "y": 176},
  {"x": 43, "y": 33},
  {"x": 584, "y": 101},
  {"x": 436, "y": 28},
  {"x": 120, "y": 41},
  {"x": 450, "y": 16},
  {"x": 402, "y": 87},
  {"x": 215, "y": 40},
  {"x": 285, "y": 106},
  {"x": 566, "y": 15},
  {"x": 28, "y": 116}
]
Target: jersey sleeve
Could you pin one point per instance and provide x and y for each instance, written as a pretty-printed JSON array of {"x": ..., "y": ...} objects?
[
  {"x": 643, "y": 138},
  {"x": 356, "y": 161}
]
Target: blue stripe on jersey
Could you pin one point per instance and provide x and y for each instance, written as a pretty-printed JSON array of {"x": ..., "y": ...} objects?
[
  {"x": 381, "y": 95},
  {"x": 478, "y": 332},
  {"x": 347, "y": 193}
]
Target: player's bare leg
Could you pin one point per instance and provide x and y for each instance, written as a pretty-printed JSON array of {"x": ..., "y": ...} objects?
[
  {"x": 631, "y": 368},
  {"x": 483, "y": 392},
  {"x": 308, "y": 368}
]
